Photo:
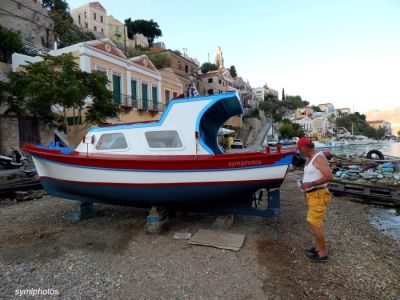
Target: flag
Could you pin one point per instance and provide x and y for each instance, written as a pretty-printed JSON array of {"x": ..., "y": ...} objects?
[{"x": 192, "y": 91}]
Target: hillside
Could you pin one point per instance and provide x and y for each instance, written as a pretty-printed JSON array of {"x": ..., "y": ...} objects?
[{"x": 391, "y": 115}]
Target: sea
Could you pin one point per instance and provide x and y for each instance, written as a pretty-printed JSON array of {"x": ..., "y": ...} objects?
[
  {"x": 386, "y": 147},
  {"x": 386, "y": 220}
]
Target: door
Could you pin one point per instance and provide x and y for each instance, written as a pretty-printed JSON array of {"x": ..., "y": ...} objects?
[{"x": 117, "y": 89}]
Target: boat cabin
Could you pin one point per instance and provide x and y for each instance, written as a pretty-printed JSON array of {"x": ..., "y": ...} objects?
[{"x": 188, "y": 127}]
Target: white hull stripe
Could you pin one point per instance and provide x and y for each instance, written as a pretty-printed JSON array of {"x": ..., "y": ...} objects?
[{"x": 47, "y": 168}]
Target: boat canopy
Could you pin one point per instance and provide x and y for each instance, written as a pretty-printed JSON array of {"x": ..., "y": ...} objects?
[{"x": 223, "y": 107}]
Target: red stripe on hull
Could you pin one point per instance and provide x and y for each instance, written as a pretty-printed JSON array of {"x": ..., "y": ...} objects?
[{"x": 150, "y": 162}]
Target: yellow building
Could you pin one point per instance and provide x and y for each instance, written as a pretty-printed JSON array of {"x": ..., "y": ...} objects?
[
  {"x": 91, "y": 16},
  {"x": 118, "y": 33},
  {"x": 171, "y": 85},
  {"x": 135, "y": 82}
]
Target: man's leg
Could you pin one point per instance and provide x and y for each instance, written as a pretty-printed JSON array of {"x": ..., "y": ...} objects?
[{"x": 318, "y": 233}]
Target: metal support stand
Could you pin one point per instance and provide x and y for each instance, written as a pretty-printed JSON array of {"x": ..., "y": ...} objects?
[
  {"x": 156, "y": 221},
  {"x": 83, "y": 211}
]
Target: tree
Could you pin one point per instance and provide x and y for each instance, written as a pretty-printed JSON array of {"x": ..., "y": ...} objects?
[
  {"x": 233, "y": 72},
  {"x": 160, "y": 60},
  {"x": 289, "y": 129},
  {"x": 316, "y": 108},
  {"x": 10, "y": 42},
  {"x": 149, "y": 29},
  {"x": 206, "y": 67},
  {"x": 54, "y": 89},
  {"x": 283, "y": 94},
  {"x": 65, "y": 30},
  {"x": 398, "y": 133}
]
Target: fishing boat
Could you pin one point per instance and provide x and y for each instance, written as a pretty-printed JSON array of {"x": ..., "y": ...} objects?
[{"x": 175, "y": 161}]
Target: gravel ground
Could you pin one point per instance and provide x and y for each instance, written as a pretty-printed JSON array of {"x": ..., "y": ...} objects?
[{"x": 111, "y": 256}]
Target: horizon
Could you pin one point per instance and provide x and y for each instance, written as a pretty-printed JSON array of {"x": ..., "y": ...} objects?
[{"x": 335, "y": 51}]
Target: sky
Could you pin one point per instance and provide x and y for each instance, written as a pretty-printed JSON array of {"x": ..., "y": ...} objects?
[{"x": 346, "y": 52}]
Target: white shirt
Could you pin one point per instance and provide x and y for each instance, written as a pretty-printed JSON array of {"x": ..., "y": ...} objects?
[{"x": 311, "y": 173}]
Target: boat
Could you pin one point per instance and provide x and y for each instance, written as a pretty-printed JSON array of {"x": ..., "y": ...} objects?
[{"x": 175, "y": 161}]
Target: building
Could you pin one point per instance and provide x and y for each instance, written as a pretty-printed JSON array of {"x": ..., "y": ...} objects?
[
  {"x": 184, "y": 67},
  {"x": 245, "y": 91},
  {"x": 378, "y": 124},
  {"x": 271, "y": 92},
  {"x": 135, "y": 82},
  {"x": 327, "y": 108},
  {"x": 216, "y": 81},
  {"x": 344, "y": 111},
  {"x": 118, "y": 33},
  {"x": 30, "y": 19},
  {"x": 141, "y": 40},
  {"x": 219, "y": 58},
  {"x": 171, "y": 85},
  {"x": 91, "y": 17},
  {"x": 304, "y": 112}
]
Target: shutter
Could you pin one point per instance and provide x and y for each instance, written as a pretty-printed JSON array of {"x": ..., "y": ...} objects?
[
  {"x": 134, "y": 89},
  {"x": 117, "y": 89},
  {"x": 144, "y": 95}
]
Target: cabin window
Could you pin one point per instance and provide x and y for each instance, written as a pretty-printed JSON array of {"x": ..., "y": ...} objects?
[
  {"x": 163, "y": 139},
  {"x": 111, "y": 141}
]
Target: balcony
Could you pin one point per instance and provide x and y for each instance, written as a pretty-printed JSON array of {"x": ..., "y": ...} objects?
[{"x": 145, "y": 104}]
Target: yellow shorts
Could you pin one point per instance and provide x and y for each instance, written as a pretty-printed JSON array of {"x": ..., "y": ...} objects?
[{"x": 317, "y": 202}]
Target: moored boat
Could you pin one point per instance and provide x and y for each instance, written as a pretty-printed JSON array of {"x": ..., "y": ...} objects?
[{"x": 172, "y": 162}]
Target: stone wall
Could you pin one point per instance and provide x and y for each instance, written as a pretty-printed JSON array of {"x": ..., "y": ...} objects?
[
  {"x": 9, "y": 134},
  {"x": 29, "y": 18}
]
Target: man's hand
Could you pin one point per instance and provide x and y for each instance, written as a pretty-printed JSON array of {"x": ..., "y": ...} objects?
[{"x": 306, "y": 185}]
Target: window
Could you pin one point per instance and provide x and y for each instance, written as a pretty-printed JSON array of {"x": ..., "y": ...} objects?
[
  {"x": 111, "y": 141},
  {"x": 210, "y": 80},
  {"x": 219, "y": 81},
  {"x": 167, "y": 95},
  {"x": 117, "y": 88},
  {"x": 145, "y": 95},
  {"x": 101, "y": 19},
  {"x": 94, "y": 16},
  {"x": 154, "y": 93},
  {"x": 186, "y": 68},
  {"x": 102, "y": 30},
  {"x": 95, "y": 28},
  {"x": 86, "y": 25},
  {"x": 163, "y": 139},
  {"x": 79, "y": 19},
  {"x": 84, "y": 14},
  {"x": 134, "y": 89},
  {"x": 211, "y": 92}
]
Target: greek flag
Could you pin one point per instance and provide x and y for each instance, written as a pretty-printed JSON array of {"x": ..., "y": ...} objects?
[{"x": 192, "y": 91}]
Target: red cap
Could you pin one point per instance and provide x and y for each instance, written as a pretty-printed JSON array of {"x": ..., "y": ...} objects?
[{"x": 304, "y": 141}]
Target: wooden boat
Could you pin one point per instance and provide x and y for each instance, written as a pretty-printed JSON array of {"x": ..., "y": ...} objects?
[{"x": 175, "y": 161}]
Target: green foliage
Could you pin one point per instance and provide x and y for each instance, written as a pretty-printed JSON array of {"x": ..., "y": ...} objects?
[
  {"x": 292, "y": 102},
  {"x": 65, "y": 30},
  {"x": 283, "y": 94},
  {"x": 398, "y": 133},
  {"x": 74, "y": 35},
  {"x": 50, "y": 88},
  {"x": 358, "y": 122},
  {"x": 10, "y": 42},
  {"x": 206, "y": 67},
  {"x": 316, "y": 108},
  {"x": 160, "y": 60},
  {"x": 289, "y": 129},
  {"x": 178, "y": 52},
  {"x": 149, "y": 29},
  {"x": 232, "y": 71}
]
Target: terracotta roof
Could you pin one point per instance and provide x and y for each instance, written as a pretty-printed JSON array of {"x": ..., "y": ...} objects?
[
  {"x": 143, "y": 61},
  {"x": 108, "y": 47},
  {"x": 97, "y": 5}
]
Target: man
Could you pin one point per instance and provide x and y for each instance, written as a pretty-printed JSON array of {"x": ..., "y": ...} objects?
[{"x": 317, "y": 174}]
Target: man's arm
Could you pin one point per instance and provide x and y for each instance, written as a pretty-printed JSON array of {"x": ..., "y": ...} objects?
[{"x": 321, "y": 163}]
